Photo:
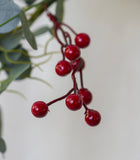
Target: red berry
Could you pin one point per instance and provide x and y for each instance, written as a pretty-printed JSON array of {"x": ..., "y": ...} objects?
[
  {"x": 82, "y": 40},
  {"x": 86, "y": 95},
  {"x": 92, "y": 117},
  {"x": 63, "y": 68},
  {"x": 74, "y": 102},
  {"x": 75, "y": 64},
  {"x": 39, "y": 109},
  {"x": 72, "y": 52}
]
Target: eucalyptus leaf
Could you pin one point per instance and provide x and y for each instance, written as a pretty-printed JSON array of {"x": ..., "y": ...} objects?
[
  {"x": 2, "y": 142},
  {"x": 29, "y": 2},
  {"x": 0, "y": 122},
  {"x": 2, "y": 145},
  {"x": 60, "y": 10},
  {"x": 11, "y": 40},
  {"x": 42, "y": 30},
  {"x": 16, "y": 57},
  {"x": 8, "y": 9},
  {"x": 26, "y": 30},
  {"x": 27, "y": 72},
  {"x": 16, "y": 71}
]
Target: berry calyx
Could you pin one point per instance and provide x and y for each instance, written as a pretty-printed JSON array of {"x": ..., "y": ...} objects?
[
  {"x": 92, "y": 117},
  {"x": 74, "y": 102},
  {"x": 82, "y": 40},
  {"x": 72, "y": 52},
  {"x": 86, "y": 95},
  {"x": 39, "y": 109},
  {"x": 63, "y": 68},
  {"x": 75, "y": 64}
]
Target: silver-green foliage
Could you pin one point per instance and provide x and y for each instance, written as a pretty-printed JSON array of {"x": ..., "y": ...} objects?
[{"x": 8, "y": 9}]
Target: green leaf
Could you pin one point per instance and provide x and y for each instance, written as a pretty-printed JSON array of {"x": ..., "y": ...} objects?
[
  {"x": 11, "y": 40},
  {"x": 60, "y": 10},
  {"x": 27, "y": 72},
  {"x": 2, "y": 142},
  {"x": 26, "y": 30},
  {"x": 42, "y": 30},
  {"x": 16, "y": 71},
  {"x": 0, "y": 123},
  {"x": 29, "y": 2},
  {"x": 16, "y": 57},
  {"x": 8, "y": 9},
  {"x": 2, "y": 145}
]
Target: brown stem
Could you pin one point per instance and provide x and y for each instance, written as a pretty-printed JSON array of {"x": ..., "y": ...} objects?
[
  {"x": 60, "y": 98},
  {"x": 56, "y": 28},
  {"x": 81, "y": 78},
  {"x": 69, "y": 28},
  {"x": 62, "y": 51},
  {"x": 75, "y": 87},
  {"x": 40, "y": 10},
  {"x": 86, "y": 108}
]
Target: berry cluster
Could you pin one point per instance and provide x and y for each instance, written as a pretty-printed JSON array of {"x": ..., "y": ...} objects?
[{"x": 71, "y": 62}]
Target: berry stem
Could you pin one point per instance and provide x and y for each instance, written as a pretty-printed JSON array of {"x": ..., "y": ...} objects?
[
  {"x": 52, "y": 18},
  {"x": 39, "y": 10},
  {"x": 69, "y": 28},
  {"x": 65, "y": 35},
  {"x": 81, "y": 78},
  {"x": 86, "y": 108},
  {"x": 75, "y": 87},
  {"x": 60, "y": 98},
  {"x": 57, "y": 26},
  {"x": 56, "y": 36},
  {"x": 62, "y": 51}
]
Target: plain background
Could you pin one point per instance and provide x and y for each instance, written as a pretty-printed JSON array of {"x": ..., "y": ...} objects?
[{"x": 112, "y": 74}]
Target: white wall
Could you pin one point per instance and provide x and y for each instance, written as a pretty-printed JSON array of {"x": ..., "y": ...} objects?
[{"x": 112, "y": 73}]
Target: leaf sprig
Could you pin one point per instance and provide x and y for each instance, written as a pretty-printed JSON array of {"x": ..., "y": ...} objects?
[{"x": 15, "y": 60}]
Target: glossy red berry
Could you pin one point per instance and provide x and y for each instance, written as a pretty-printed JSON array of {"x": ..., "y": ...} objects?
[
  {"x": 72, "y": 52},
  {"x": 63, "y": 68},
  {"x": 39, "y": 109},
  {"x": 82, "y": 40},
  {"x": 74, "y": 102},
  {"x": 75, "y": 64},
  {"x": 86, "y": 95},
  {"x": 92, "y": 117}
]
